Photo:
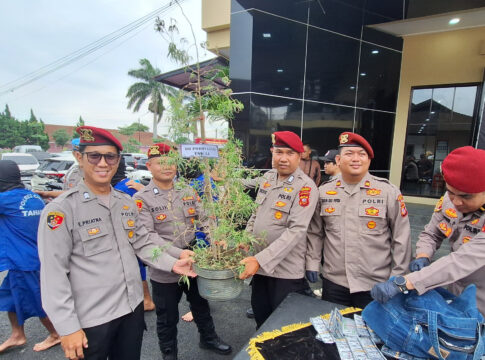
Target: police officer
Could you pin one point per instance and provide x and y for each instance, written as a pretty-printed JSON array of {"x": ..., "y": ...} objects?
[
  {"x": 74, "y": 175},
  {"x": 287, "y": 199},
  {"x": 171, "y": 214},
  {"x": 459, "y": 217},
  {"x": 90, "y": 280},
  {"x": 361, "y": 221},
  {"x": 330, "y": 165},
  {"x": 70, "y": 179},
  {"x": 20, "y": 290}
]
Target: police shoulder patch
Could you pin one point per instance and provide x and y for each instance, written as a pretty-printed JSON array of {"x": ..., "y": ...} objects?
[
  {"x": 139, "y": 204},
  {"x": 55, "y": 219}
]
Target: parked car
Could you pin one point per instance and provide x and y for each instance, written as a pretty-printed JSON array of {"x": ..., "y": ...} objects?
[
  {"x": 53, "y": 168},
  {"x": 133, "y": 159},
  {"x": 26, "y": 162},
  {"x": 27, "y": 165},
  {"x": 143, "y": 176},
  {"x": 27, "y": 148}
]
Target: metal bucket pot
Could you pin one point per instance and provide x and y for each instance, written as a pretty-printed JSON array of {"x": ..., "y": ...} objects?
[{"x": 218, "y": 285}]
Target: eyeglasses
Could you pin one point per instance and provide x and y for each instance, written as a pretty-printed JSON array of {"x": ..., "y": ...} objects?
[{"x": 95, "y": 157}]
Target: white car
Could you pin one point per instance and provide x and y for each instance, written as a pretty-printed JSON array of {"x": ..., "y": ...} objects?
[
  {"x": 26, "y": 162},
  {"x": 53, "y": 168}
]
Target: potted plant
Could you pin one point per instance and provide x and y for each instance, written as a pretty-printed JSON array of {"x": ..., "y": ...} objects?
[{"x": 226, "y": 206}]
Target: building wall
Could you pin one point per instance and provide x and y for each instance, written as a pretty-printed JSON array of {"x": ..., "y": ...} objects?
[
  {"x": 314, "y": 68},
  {"x": 451, "y": 57},
  {"x": 216, "y": 18}
]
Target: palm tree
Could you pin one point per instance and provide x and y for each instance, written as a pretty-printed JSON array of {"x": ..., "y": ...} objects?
[{"x": 149, "y": 89}]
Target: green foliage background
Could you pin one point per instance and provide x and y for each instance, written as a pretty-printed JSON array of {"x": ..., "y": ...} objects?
[{"x": 22, "y": 132}]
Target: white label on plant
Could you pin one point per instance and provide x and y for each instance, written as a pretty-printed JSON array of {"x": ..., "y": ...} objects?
[{"x": 199, "y": 150}]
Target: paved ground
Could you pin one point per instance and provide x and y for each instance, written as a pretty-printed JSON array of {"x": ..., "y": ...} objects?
[{"x": 229, "y": 317}]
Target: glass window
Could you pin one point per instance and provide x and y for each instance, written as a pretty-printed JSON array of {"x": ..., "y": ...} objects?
[{"x": 440, "y": 120}]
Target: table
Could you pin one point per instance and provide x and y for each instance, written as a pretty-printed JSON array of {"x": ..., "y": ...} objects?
[{"x": 295, "y": 308}]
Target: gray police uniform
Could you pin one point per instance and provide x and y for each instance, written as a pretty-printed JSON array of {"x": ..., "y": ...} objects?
[
  {"x": 365, "y": 234},
  {"x": 171, "y": 217},
  {"x": 73, "y": 176},
  {"x": 465, "y": 264},
  {"x": 280, "y": 221},
  {"x": 89, "y": 271}
]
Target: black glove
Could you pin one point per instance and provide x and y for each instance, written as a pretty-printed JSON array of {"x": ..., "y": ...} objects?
[
  {"x": 418, "y": 264},
  {"x": 312, "y": 276},
  {"x": 384, "y": 291}
]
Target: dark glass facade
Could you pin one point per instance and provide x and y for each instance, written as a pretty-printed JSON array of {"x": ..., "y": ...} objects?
[
  {"x": 313, "y": 67},
  {"x": 440, "y": 120}
]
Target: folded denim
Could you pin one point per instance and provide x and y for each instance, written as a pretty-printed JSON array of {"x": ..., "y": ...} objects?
[{"x": 436, "y": 324}]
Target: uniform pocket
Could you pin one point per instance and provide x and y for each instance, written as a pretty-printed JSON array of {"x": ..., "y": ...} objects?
[
  {"x": 279, "y": 212},
  {"x": 95, "y": 239},
  {"x": 373, "y": 219},
  {"x": 330, "y": 213}
]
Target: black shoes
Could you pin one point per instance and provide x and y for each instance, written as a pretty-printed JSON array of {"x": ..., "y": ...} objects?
[
  {"x": 169, "y": 354},
  {"x": 250, "y": 313},
  {"x": 216, "y": 345}
]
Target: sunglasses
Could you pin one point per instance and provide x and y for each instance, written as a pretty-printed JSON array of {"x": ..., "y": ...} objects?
[{"x": 95, "y": 157}]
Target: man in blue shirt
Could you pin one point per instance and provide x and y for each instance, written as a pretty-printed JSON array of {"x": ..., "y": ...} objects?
[{"x": 20, "y": 210}]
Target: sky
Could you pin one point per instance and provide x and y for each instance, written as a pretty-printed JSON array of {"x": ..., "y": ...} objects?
[{"x": 36, "y": 33}]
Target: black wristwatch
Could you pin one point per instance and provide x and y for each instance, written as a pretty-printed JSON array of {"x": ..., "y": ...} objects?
[{"x": 400, "y": 282}]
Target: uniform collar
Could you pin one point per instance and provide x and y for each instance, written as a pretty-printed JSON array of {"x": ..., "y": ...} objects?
[
  {"x": 155, "y": 190},
  {"x": 87, "y": 195},
  {"x": 290, "y": 179}
]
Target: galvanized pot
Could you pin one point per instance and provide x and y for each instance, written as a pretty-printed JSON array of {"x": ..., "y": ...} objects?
[{"x": 218, "y": 285}]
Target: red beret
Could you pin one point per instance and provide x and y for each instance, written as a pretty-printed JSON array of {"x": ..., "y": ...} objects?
[
  {"x": 352, "y": 139},
  {"x": 464, "y": 169},
  {"x": 93, "y": 136},
  {"x": 287, "y": 139},
  {"x": 158, "y": 149}
]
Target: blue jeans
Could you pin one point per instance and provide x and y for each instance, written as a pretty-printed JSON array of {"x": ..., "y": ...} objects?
[{"x": 428, "y": 326}]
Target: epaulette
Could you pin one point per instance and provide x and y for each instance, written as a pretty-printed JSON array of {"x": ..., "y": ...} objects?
[
  {"x": 328, "y": 181},
  {"x": 381, "y": 179}
]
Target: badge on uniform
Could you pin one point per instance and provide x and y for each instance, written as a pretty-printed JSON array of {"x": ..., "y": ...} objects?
[
  {"x": 466, "y": 239},
  {"x": 290, "y": 179},
  {"x": 278, "y": 215},
  {"x": 130, "y": 234},
  {"x": 329, "y": 210},
  {"x": 305, "y": 196},
  {"x": 280, "y": 204},
  {"x": 373, "y": 192},
  {"x": 93, "y": 231},
  {"x": 439, "y": 205},
  {"x": 288, "y": 190},
  {"x": 338, "y": 183},
  {"x": 266, "y": 185},
  {"x": 130, "y": 223},
  {"x": 161, "y": 217},
  {"x": 187, "y": 198},
  {"x": 371, "y": 224},
  {"x": 191, "y": 211},
  {"x": 402, "y": 205},
  {"x": 125, "y": 207},
  {"x": 372, "y": 211},
  {"x": 367, "y": 183},
  {"x": 86, "y": 195},
  {"x": 331, "y": 192},
  {"x": 474, "y": 221},
  {"x": 155, "y": 191},
  {"x": 139, "y": 204},
  {"x": 54, "y": 219},
  {"x": 445, "y": 229},
  {"x": 451, "y": 213}
]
